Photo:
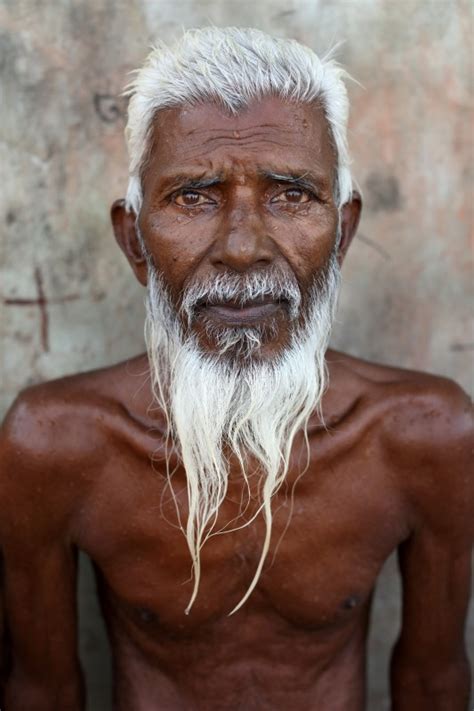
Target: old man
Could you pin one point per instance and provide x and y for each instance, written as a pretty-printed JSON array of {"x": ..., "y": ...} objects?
[{"x": 239, "y": 487}]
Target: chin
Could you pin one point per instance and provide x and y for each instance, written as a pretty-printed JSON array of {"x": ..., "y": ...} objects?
[{"x": 261, "y": 342}]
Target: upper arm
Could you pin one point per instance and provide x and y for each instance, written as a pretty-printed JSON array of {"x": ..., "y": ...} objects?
[
  {"x": 436, "y": 572},
  {"x": 39, "y": 561},
  {"x": 438, "y": 486}
]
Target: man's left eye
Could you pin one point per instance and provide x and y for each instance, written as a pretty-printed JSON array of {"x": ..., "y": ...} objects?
[
  {"x": 294, "y": 196},
  {"x": 190, "y": 198}
]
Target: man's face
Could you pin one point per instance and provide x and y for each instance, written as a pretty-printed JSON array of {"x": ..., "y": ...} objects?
[{"x": 236, "y": 196}]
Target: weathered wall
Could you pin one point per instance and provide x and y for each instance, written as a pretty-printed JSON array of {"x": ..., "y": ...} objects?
[{"x": 69, "y": 300}]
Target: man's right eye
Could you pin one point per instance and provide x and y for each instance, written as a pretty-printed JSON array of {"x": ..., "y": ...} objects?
[{"x": 190, "y": 198}]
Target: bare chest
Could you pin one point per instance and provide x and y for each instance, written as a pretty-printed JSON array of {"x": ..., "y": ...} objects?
[{"x": 330, "y": 535}]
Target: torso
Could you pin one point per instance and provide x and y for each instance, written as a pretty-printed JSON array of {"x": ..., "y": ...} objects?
[{"x": 299, "y": 640}]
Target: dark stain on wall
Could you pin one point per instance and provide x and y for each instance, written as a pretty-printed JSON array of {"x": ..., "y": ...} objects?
[
  {"x": 382, "y": 192},
  {"x": 108, "y": 107}
]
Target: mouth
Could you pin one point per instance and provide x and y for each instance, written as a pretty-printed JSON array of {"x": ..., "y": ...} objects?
[{"x": 234, "y": 313}]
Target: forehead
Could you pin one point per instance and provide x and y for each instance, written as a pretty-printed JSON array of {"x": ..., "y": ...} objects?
[{"x": 270, "y": 132}]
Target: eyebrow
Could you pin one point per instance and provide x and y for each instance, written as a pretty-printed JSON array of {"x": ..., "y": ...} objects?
[
  {"x": 305, "y": 180},
  {"x": 197, "y": 183}
]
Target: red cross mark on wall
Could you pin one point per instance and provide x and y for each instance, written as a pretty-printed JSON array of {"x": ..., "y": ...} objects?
[{"x": 42, "y": 302}]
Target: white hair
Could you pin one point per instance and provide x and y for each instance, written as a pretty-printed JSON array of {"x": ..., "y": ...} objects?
[
  {"x": 233, "y": 402},
  {"x": 232, "y": 67}
]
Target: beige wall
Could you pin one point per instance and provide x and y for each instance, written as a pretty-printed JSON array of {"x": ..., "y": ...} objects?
[{"x": 407, "y": 280}]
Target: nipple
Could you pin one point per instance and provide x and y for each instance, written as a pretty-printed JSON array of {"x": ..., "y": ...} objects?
[
  {"x": 351, "y": 602},
  {"x": 146, "y": 615}
]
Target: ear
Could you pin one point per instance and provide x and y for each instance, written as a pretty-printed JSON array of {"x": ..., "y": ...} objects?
[
  {"x": 123, "y": 223},
  {"x": 350, "y": 216}
]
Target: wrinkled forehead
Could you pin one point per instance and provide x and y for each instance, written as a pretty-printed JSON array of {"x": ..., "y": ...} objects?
[{"x": 270, "y": 129}]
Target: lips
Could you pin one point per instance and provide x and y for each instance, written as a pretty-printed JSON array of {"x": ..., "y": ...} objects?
[{"x": 232, "y": 313}]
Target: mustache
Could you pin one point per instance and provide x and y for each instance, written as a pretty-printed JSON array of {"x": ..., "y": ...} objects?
[{"x": 242, "y": 290}]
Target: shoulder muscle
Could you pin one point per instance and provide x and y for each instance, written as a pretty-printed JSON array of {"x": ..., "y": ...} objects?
[
  {"x": 46, "y": 443},
  {"x": 428, "y": 435}
]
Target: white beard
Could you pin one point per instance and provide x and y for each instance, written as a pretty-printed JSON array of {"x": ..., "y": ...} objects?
[{"x": 232, "y": 399}]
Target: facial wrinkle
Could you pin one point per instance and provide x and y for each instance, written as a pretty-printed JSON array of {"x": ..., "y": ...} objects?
[
  {"x": 242, "y": 142},
  {"x": 276, "y": 127}
]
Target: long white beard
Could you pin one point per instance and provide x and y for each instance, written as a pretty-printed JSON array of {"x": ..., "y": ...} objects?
[{"x": 232, "y": 402}]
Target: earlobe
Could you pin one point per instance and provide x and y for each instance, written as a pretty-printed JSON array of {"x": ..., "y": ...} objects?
[
  {"x": 350, "y": 216},
  {"x": 124, "y": 226}
]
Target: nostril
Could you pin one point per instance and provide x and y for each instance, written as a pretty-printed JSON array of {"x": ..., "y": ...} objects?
[
  {"x": 241, "y": 250},
  {"x": 240, "y": 266}
]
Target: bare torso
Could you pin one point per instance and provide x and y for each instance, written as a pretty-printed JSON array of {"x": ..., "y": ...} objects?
[
  {"x": 302, "y": 634},
  {"x": 299, "y": 641}
]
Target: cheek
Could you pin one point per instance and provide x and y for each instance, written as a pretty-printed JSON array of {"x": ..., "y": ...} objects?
[
  {"x": 176, "y": 244},
  {"x": 306, "y": 242}
]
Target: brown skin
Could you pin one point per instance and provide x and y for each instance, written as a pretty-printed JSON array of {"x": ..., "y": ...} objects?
[{"x": 392, "y": 471}]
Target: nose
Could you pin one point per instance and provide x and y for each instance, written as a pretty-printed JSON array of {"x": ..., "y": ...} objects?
[{"x": 243, "y": 243}]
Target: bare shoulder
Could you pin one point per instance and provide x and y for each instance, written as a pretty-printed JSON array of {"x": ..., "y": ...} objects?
[
  {"x": 55, "y": 415},
  {"x": 426, "y": 429},
  {"x": 428, "y": 401},
  {"x": 54, "y": 438}
]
